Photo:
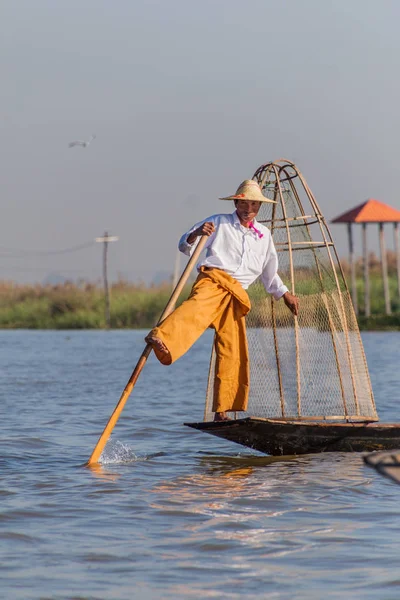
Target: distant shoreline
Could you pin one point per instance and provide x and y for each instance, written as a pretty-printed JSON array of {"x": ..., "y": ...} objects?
[{"x": 70, "y": 306}]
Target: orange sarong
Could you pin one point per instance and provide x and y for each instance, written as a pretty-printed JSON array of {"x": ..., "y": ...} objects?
[{"x": 218, "y": 301}]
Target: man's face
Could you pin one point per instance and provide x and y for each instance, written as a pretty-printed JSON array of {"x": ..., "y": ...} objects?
[{"x": 247, "y": 210}]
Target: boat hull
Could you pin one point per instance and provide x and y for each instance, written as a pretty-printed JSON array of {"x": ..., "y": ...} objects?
[{"x": 298, "y": 437}]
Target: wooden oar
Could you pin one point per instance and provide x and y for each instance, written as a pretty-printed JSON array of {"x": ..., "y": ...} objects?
[{"x": 142, "y": 360}]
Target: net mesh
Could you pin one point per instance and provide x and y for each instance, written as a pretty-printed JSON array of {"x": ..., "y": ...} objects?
[{"x": 312, "y": 366}]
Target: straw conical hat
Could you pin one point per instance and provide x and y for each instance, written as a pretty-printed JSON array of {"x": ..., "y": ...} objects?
[{"x": 249, "y": 190}]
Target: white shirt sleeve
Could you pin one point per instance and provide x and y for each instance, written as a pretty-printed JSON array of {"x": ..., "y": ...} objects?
[
  {"x": 188, "y": 249},
  {"x": 270, "y": 278}
]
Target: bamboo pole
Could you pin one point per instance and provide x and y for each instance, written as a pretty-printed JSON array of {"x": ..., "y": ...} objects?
[
  {"x": 325, "y": 232},
  {"x": 341, "y": 301},
  {"x": 386, "y": 293},
  {"x": 262, "y": 182},
  {"x": 278, "y": 363},
  {"x": 143, "y": 358},
  {"x": 210, "y": 400},
  {"x": 323, "y": 294},
  {"x": 367, "y": 302},
  {"x": 292, "y": 281}
]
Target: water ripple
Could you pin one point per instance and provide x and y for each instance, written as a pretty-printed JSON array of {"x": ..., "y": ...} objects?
[{"x": 172, "y": 513}]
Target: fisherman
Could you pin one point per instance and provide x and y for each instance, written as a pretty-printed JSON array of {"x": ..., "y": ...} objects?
[{"x": 239, "y": 249}]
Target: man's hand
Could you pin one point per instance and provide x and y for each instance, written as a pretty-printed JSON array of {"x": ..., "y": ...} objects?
[
  {"x": 205, "y": 229},
  {"x": 292, "y": 302}
]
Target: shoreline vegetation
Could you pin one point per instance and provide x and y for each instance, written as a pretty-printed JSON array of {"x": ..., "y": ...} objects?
[
  {"x": 135, "y": 306},
  {"x": 81, "y": 305}
]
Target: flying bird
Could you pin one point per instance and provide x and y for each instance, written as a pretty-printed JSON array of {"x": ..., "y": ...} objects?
[{"x": 82, "y": 143}]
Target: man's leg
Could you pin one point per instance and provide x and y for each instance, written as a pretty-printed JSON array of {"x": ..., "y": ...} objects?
[
  {"x": 178, "y": 332},
  {"x": 232, "y": 374}
]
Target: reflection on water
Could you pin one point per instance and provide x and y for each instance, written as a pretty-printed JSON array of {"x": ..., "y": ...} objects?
[
  {"x": 269, "y": 516},
  {"x": 98, "y": 470},
  {"x": 261, "y": 478},
  {"x": 172, "y": 512}
]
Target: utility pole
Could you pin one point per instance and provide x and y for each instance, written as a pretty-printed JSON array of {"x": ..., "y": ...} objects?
[
  {"x": 176, "y": 274},
  {"x": 105, "y": 241}
]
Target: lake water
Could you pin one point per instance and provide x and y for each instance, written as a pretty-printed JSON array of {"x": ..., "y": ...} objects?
[{"x": 172, "y": 512}]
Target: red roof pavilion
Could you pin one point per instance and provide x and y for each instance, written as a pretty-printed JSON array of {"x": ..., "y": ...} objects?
[{"x": 371, "y": 211}]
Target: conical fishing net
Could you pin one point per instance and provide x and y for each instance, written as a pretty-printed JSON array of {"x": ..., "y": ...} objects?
[{"x": 312, "y": 366}]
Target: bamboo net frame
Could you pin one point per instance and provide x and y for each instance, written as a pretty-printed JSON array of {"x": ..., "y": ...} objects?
[{"x": 310, "y": 367}]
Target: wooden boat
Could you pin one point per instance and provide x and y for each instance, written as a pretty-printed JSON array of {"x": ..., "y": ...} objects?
[
  {"x": 278, "y": 438},
  {"x": 310, "y": 389}
]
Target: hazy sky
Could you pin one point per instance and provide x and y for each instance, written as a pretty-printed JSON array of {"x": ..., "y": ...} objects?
[{"x": 187, "y": 99}]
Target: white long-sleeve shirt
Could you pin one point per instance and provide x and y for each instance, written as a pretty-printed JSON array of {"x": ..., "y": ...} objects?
[{"x": 240, "y": 252}]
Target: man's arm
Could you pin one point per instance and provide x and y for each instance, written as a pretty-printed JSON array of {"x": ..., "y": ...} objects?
[
  {"x": 274, "y": 284},
  {"x": 187, "y": 241}
]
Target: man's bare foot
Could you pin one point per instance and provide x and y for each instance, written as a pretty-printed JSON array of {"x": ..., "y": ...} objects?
[
  {"x": 160, "y": 349},
  {"x": 221, "y": 416},
  {"x": 156, "y": 343}
]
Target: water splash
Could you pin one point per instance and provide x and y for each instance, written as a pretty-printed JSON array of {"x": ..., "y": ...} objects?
[{"x": 118, "y": 452}]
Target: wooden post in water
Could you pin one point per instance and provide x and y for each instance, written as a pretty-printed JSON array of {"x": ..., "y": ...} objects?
[
  {"x": 388, "y": 310},
  {"x": 367, "y": 302},
  {"x": 397, "y": 251},
  {"x": 352, "y": 268}
]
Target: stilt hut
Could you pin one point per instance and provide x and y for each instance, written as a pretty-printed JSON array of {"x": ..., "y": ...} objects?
[
  {"x": 371, "y": 211},
  {"x": 310, "y": 389}
]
